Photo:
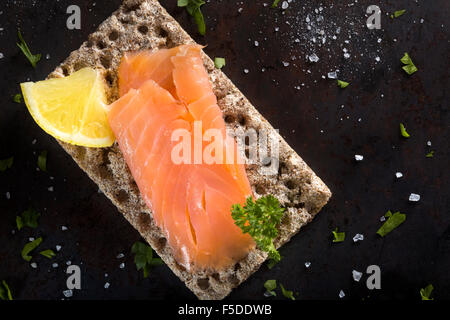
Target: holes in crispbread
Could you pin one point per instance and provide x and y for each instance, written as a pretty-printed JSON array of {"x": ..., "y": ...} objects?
[
  {"x": 105, "y": 60},
  {"x": 109, "y": 78},
  {"x": 161, "y": 32},
  {"x": 143, "y": 29},
  {"x": 229, "y": 118},
  {"x": 162, "y": 242},
  {"x": 242, "y": 120},
  {"x": 101, "y": 45},
  {"x": 65, "y": 70},
  {"x": 260, "y": 189},
  {"x": 113, "y": 35},
  {"x": 291, "y": 184},
  {"x": 203, "y": 283},
  {"x": 216, "y": 276},
  {"x": 122, "y": 196}
]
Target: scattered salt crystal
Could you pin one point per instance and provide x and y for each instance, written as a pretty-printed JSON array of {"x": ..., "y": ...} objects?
[
  {"x": 359, "y": 157},
  {"x": 50, "y": 189},
  {"x": 106, "y": 275},
  {"x": 414, "y": 197},
  {"x": 8, "y": 195},
  {"x": 107, "y": 285},
  {"x": 382, "y": 218},
  {"x": 286, "y": 64},
  {"x": 34, "y": 141},
  {"x": 307, "y": 264},
  {"x": 313, "y": 57},
  {"x": 63, "y": 228},
  {"x": 398, "y": 175},
  {"x": 332, "y": 75},
  {"x": 277, "y": 29},
  {"x": 246, "y": 71},
  {"x": 68, "y": 293},
  {"x": 122, "y": 265},
  {"x": 256, "y": 43},
  {"x": 358, "y": 237},
  {"x": 240, "y": 10},
  {"x": 346, "y": 55},
  {"x": 341, "y": 294},
  {"x": 120, "y": 256},
  {"x": 377, "y": 59},
  {"x": 267, "y": 294},
  {"x": 30, "y": 239},
  {"x": 33, "y": 265},
  {"x": 58, "y": 247},
  {"x": 429, "y": 143},
  {"x": 1, "y": 55},
  {"x": 55, "y": 265},
  {"x": 69, "y": 263},
  {"x": 47, "y": 56},
  {"x": 356, "y": 275},
  {"x": 284, "y": 5}
]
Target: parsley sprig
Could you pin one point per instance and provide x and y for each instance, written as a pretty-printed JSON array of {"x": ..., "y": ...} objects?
[
  {"x": 28, "y": 218},
  {"x": 5, "y": 292},
  {"x": 144, "y": 257},
  {"x": 409, "y": 67},
  {"x": 259, "y": 219},
  {"x": 193, "y": 8},
  {"x": 33, "y": 58},
  {"x": 392, "y": 222},
  {"x": 425, "y": 293}
]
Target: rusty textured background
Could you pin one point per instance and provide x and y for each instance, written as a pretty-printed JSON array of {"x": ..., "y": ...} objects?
[{"x": 311, "y": 119}]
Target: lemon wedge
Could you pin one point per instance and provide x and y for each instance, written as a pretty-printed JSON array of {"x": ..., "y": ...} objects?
[{"x": 71, "y": 109}]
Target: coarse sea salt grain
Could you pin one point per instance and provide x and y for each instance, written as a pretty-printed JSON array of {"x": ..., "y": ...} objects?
[
  {"x": 122, "y": 265},
  {"x": 120, "y": 256},
  {"x": 341, "y": 294},
  {"x": 33, "y": 265},
  {"x": 106, "y": 286},
  {"x": 332, "y": 75},
  {"x": 63, "y": 228},
  {"x": 68, "y": 293},
  {"x": 356, "y": 275},
  {"x": 1, "y": 55},
  {"x": 358, "y": 237},
  {"x": 429, "y": 143},
  {"x": 313, "y": 57},
  {"x": 55, "y": 265},
  {"x": 58, "y": 247},
  {"x": 359, "y": 157},
  {"x": 398, "y": 175},
  {"x": 307, "y": 264},
  {"x": 284, "y": 5},
  {"x": 414, "y": 197},
  {"x": 8, "y": 195},
  {"x": 382, "y": 218}
]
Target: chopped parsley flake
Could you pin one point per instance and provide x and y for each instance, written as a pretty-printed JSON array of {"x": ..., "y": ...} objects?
[
  {"x": 342, "y": 84},
  {"x": 403, "y": 131},
  {"x": 425, "y": 293},
  {"x": 393, "y": 221},
  {"x": 193, "y": 8},
  {"x": 270, "y": 286},
  {"x": 29, "y": 218},
  {"x": 33, "y": 58},
  {"x": 30, "y": 246},
  {"x": 259, "y": 219},
  {"x": 17, "y": 98},
  {"x": 398, "y": 13},
  {"x": 338, "y": 236},
  {"x": 219, "y": 63},
  {"x": 42, "y": 161},
  {"x": 430, "y": 154},
  {"x": 144, "y": 257},
  {"x": 6, "y": 163},
  {"x": 5, "y": 293},
  {"x": 287, "y": 293},
  {"x": 48, "y": 253},
  {"x": 409, "y": 66},
  {"x": 275, "y": 3}
]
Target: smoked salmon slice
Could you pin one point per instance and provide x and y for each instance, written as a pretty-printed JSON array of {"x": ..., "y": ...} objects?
[{"x": 164, "y": 92}]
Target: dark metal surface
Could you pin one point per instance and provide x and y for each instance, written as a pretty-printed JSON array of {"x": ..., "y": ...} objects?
[{"x": 311, "y": 119}]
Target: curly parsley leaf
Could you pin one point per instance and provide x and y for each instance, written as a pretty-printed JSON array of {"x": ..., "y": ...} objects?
[
  {"x": 425, "y": 293},
  {"x": 287, "y": 293},
  {"x": 33, "y": 58},
  {"x": 28, "y": 218},
  {"x": 17, "y": 98},
  {"x": 409, "y": 66},
  {"x": 193, "y": 8},
  {"x": 403, "y": 131},
  {"x": 30, "y": 246},
  {"x": 393, "y": 221},
  {"x": 430, "y": 154},
  {"x": 399, "y": 13},
  {"x": 6, "y": 163},
  {"x": 342, "y": 84},
  {"x": 48, "y": 253},
  {"x": 144, "y": 257},
  {"x": 275, "y": 3},
  {"x": 270, "y": 286},
  {"x": 259, "y": 219},
  {"x": 5, "y": 293},
  {"x": 42, "y": 161},
  {"x": 219, "y": 63},
  {"x": 338, "y": 236}
]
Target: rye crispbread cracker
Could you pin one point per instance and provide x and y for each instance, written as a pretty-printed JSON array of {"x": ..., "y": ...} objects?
[{"x": 145, "y": 24}]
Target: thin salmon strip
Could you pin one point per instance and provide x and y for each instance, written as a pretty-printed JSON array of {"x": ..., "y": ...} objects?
[{"x": 162, "y": 92}]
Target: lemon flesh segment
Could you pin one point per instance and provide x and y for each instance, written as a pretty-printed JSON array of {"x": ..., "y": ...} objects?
[{"x": 71, "y": 109}]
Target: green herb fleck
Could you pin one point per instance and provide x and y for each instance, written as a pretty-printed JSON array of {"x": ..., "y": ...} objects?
[
  {"x": 287, "y": 293},
  {"x": 403, "y": 131},
  {"x": 275, "y": 3},
  {"x": 399, "y": 13},
  {"x": 393, "y": 221},
  {"x": 193, "y": 8},
  {"x": 144, "y": 257},
  {"x": 42, "y": 161},
  {"x": 29, "y": 218},
  {"x": 342, "y": 84},
  {"x": 425, "y": 293},
  {"x": 409, "y": 66},
  {"x": 219, "y": 63},
  {"x": 259, "y": 219},
  {"x": 338, "y": 236},
  {"x": 5, "y": 293},
  {"x": 30, "y": 246},
  {"x": 48, "y": 253},
  {"x": 430, "y": 154},
  {"x": 17, "y": 98},
  {"x": 6, "y": 163},
  {"x": 270, "y": 286},
  {"x": 33, "y": 58}
]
